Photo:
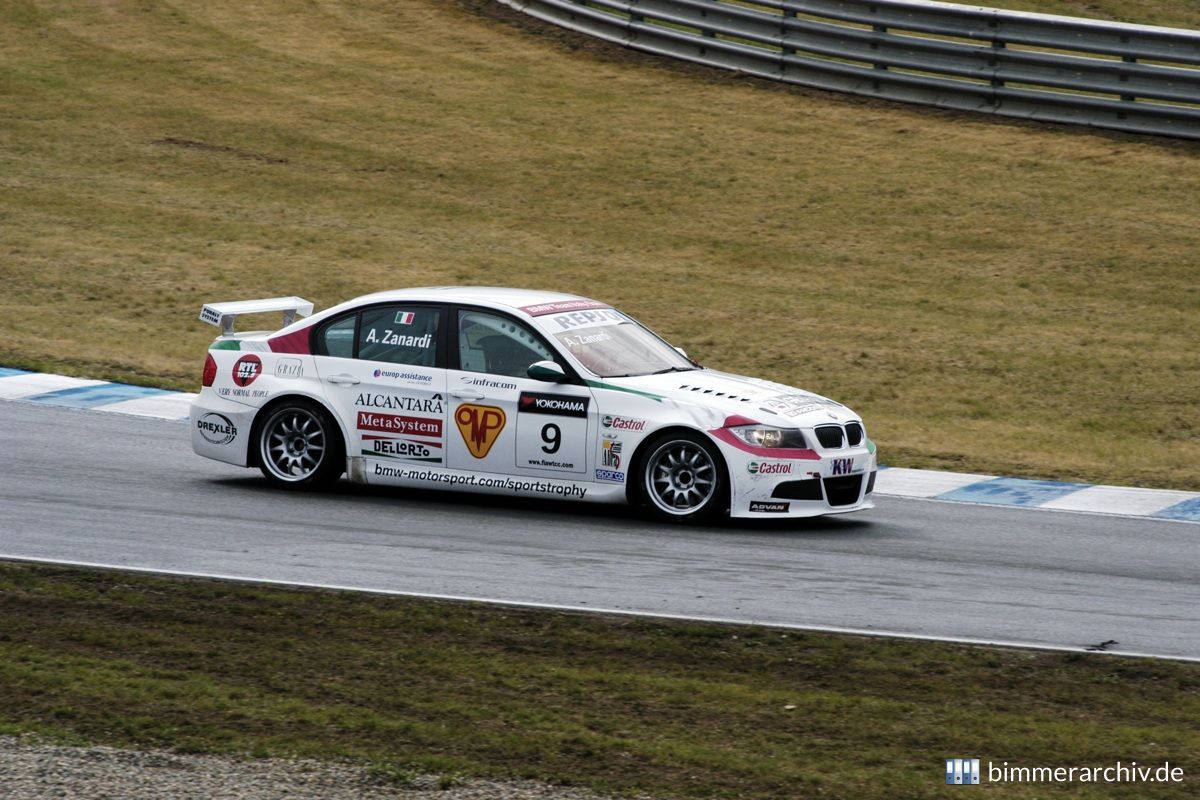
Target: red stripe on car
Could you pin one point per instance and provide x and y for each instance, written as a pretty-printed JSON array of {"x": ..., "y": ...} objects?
[
  {"x": 294, "y": 342},
  {"x": 729, "y": 437}
]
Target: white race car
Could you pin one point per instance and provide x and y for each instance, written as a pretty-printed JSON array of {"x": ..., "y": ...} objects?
[{"x": 515, "y": 392}]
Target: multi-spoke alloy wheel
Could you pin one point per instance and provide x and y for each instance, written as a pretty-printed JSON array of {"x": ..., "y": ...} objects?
[
  {"x": 298, "y": 447},
  {"x": 681, "y": 478}
]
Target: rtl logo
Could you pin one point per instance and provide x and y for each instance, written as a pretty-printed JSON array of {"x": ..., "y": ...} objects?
[{"x": 246, "y": 370}]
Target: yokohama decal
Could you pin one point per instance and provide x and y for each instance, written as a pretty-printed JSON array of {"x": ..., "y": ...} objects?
[{"x": 558, "y": 405}]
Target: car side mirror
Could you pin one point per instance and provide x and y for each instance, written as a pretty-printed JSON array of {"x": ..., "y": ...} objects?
[
  {"x": 683, "y": 353},
  {"x": 547, "y": 371}
]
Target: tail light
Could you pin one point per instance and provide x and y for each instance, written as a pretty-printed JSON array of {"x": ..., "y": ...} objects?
[{"x": 210, "y": 370}]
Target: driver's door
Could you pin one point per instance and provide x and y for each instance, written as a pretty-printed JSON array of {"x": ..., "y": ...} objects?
[{"x": 502, "y": 421}]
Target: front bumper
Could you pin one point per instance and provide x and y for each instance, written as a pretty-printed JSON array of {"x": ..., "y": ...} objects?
[{"x": 826, "y": 484}]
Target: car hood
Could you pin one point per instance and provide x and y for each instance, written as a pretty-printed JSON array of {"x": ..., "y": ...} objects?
[{"x": 756, "y": 399}]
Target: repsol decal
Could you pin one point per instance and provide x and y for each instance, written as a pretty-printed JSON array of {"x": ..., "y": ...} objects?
[
  {"x": 216, "y": 428},
  {"x": 581, "y": 319},
  {"x": 537, "y": 403}
]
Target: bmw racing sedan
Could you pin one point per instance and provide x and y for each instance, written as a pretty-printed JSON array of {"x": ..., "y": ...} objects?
[{"x": 515, "y": 392}]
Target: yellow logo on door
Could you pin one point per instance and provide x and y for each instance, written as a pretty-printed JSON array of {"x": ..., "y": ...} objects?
[{"x": 480, "y": 426}]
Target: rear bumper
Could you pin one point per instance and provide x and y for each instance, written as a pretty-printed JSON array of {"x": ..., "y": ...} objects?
[{"x": 221, "y": 428}]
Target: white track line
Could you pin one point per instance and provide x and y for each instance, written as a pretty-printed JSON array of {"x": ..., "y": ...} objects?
[
  {"x": 904, "y": 482},
  {"x": 1119, "y": 500},
  {"x": 166, "y": 406},
  {"x": 15, "y": 387},
  {"x": 594, "y": 610},
  {"x": 1143, "y": 517}
]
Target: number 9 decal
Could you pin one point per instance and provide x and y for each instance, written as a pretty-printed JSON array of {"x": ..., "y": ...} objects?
[
  {"x": 552, "y": 433},
  {"x": 552, "y": 436}
]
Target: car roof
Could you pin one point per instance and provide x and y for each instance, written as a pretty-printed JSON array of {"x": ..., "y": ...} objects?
[{"x": 494, "y": 296}]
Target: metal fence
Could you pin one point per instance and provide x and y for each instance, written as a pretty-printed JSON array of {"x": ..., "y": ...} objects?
[{"x": 1034, "y": 66}]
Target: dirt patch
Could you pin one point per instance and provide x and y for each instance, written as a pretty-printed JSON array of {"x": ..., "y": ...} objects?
[{"x": 191, "y": 144}]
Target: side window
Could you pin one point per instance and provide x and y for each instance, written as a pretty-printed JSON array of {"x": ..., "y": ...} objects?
[
  {"x": 338, "y": 338},
  {"x": 400, "y": 335},
  {"x": 497, "y": 345}
]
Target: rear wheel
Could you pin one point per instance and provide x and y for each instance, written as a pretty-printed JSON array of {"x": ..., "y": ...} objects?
[
  {"x": 300, "y": 447},
  {"x": 683, "y": 479}
]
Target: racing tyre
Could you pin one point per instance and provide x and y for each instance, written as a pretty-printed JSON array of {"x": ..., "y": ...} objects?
[
  {"x": 300, "y": 446},
  {"x": 683, "y": 479}
]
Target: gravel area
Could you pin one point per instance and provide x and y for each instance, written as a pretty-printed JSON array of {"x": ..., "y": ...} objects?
[{"x": 32, "y": 770}]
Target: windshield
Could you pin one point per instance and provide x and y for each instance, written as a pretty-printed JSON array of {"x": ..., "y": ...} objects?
[{"x": 622, "y": 349}]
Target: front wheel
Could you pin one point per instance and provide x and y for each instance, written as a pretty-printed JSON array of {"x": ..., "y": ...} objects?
[
  {"x": 300, "y": 447},
  {"x": 683, "y": 479}
]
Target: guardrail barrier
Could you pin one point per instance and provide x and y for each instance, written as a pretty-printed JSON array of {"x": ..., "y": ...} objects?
[{"x": 1136, "y": 78}]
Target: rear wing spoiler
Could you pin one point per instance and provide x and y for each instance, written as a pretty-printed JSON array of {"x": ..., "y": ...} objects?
[{"x": 223, "y": 314}]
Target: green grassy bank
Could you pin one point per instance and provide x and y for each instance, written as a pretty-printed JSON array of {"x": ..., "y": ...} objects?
[
  {"x": 996, "y": 297},
  {"x": 676, "y": 709}
]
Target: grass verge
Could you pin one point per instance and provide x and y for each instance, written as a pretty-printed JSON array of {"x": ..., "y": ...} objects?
[
  {"x": 677, "y": 709},
  {"x": 997, "y": 297}
]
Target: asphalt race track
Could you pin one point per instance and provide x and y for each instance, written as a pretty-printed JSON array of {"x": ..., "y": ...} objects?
[{"x": 94, "y": 488}]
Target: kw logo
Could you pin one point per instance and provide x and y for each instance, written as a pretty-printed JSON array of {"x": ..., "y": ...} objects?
[
  {"x": 480, "y": 426},
  {"x": 842, "y": 466}
]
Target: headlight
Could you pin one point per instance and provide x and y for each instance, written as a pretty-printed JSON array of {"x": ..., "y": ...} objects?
[{"x": 766, "y": 436}]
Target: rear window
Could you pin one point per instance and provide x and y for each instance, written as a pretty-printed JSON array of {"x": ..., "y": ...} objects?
[{"x": 338, "y": 338}]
